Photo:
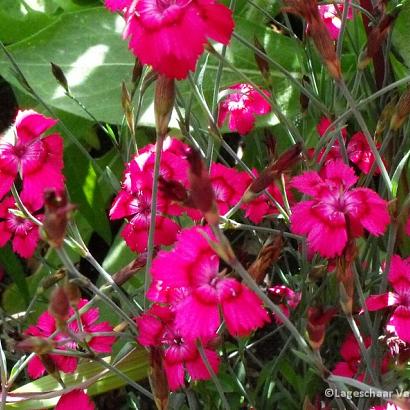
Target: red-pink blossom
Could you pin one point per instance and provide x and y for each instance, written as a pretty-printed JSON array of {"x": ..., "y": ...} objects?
[
  {"x": 359, "y": 152},
  {"x": 23, "y": 232},
  {"x": 134, "y": 199},
  {"x": 242, "y": 106},
  {"x": 336, "y": 209},
  {"x": 46, "y": 326},
  {"x": 286, "y": 298},
  {"x": 387, "y": 406},
  {"x": 193, "y": 265},
  {"x": 171, "y": 35},
  {"x": 75, "y": 399},
  {"x": 157, "y": 328},
  {"x": 331, "y": 15},
  {"x": 37, "y": 159},
  {"x": 399, "y": 300}
]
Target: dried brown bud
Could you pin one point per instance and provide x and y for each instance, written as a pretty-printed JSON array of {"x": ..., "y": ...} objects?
[
  {"x": 268, "y": 255},
  {"x": 59, "y": 306},
  {"x": 158, "y": 379},
  {"x": 34, "y": 344},
  {"x": 73, "y": 293},
  {"x": 318, "y": 319},
  {"x": 56, "y": 216},
  {"x": 401, "y": 111},
  {"x": 59, "y": 76},
  {"x": 263, "y": 65},
  {"x": 285, "y": 162},
  {"x": 202, "y": 194},
  {"x": 128, "y": 271},
  {"x": 164, "y": 100}
]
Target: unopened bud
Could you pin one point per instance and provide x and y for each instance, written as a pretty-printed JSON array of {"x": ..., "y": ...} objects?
[
  {"x": 59, "y": 76},
  {"x": 385, "y": 118},
  {"x": 56, "y": 216},
  {"x": 202, "y": 194},
  {"x": 34, "y": 344},
  {"x": 318, "y": 319},
  {"x": 137, "y": 71},
  {"x": 158, "y": 379},
  {"x": 73, "y": 293},
  {"x": 401, "y": 111},
  {"x": 59, "y": 306},
  {"x": 163, "y": 103},
  {"x": 54, "y": 278},
  {"x": 128, "y": 271},
  {"x": 268, "y": 255},
  {"x": 128, "y": 108},
  {"x": 173, "y": 190},
  {"x": 263, "y": 65}
]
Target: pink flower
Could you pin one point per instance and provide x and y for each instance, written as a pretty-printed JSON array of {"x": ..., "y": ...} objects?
[
  {"x": 359, "y": 152},
  {"x": 387, "y": 406},
  {"x": 134, "y": 199},
  {"x": 23, "y": 232},
  {"x": 46, "y": 326},
  {"x": 157, "y": 328},
  {"x": 38, "y": 159},
  {"x": 242, "y": 107},
  {"x": 336, "y": 210},
  {"x": 170, "y": 35},
  {"x": 75, "y": 399},
  {"x": 350, "y": 352},
  {"x": 285, "y": 298},
  {"x": 399, "y": 300},
  {"x": 331, "y": 16},
  {"x": 195, "y": 267}
]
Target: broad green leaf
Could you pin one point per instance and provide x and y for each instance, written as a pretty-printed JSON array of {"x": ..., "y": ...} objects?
[
  {"x": 84, "y": 190},
  {"x": 13, "y": 267},
  {"x": 401, "y": 33},
  {"x": 134, "y": 366}
]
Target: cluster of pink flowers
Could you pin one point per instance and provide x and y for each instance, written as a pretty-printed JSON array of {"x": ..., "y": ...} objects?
[
  {"x": 336, "y": 210},
  {"x": 171, "y": 35},
  {"x": 26, "y": 152},
  {"x": 192, "y": 298},
  {"x": 46, "y": 326}
]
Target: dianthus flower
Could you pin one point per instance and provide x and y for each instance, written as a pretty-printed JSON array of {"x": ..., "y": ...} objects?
[
  {"x": 331, "y": 15},
  {"x": 75, "y": 399},
  {"x": 286, "y": 298},
  {"x": 134, "y": 199},
  {"x": 242, "y": 106},
  {"x": 399, "y": 300},
  {"x": 387, "y": 406},
  {"x": 194, "y": 266},
  {"x": 157, "y": 328},
  {"x": 23, "y": 232},
  {"x": 37, "y": 159},
  {"x": 359, "y": 152},
  {"x": 170, "y": 35},
  {"x": 337, "y": 212},
  {"x": 46, "y": 326}
]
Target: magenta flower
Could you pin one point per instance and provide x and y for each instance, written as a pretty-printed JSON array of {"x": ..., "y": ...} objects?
[
  {"x": 134, "y": 199},
  {"x": 157, "y": 328},
  {"x": 331, "y": 16},
  {"x": 352, "y": 358},
  {"x": 359, "y": 152},
  {"x": 46, "y": 326},
  {"x": 399, "y": 300},
  {"x": 170, "y": 35},
  {"x": 75, "y": 399},
  {"x": 387, "y": 406},
  {"x": 23, "y": 232},
  {"x": 286, "y": 298},
  {"x": 242, "y": 107},
  {"x": 37, "y": 159},
  {"x": 210, "y": 294},
  {"x": 336, "y": 210}
]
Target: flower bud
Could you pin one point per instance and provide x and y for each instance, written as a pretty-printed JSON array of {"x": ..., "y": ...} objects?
[
  {"x": 401, "y": 111},
  {"x": 59, "y": 76},
  {"x": 318, "y": 319},
  {"x": 59, "y": 306},
  {"x": 129, "y": 270},
  {"x": 51, "y": 280},
  {"x": 34, "y": 344},
  {"x": 263, "y": 65},
  {"x": 173, "y": 190},
  {"x": 158, "y": 379},
  {"x": 202, "y": 194},
  {"x": 128, "y": 108},
  {"x": 163, "y": 103},
  {"x": 73, "y": 293},
  {"x": 136, "y": 71},
  {"x": 56, "y": 216},
  {"x": 268, "y": 255},
  {"x": 385, "y": 118}
]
